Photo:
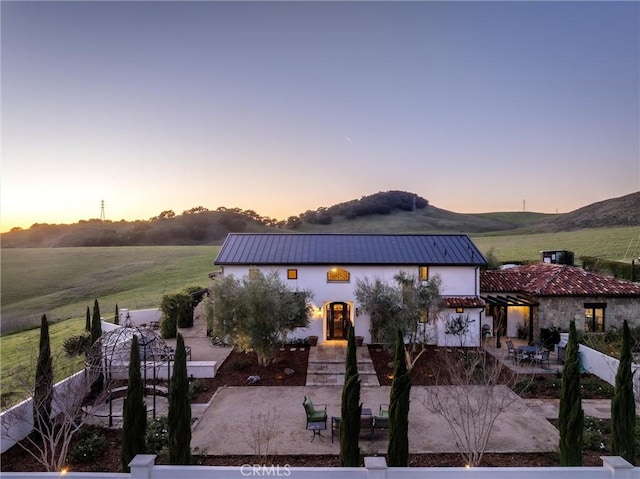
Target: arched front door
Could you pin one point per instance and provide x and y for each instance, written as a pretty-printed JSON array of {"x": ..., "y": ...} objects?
[{"x": 338, "y": 318}]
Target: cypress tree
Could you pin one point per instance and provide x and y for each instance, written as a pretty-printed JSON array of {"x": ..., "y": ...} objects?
[
  {"x": 116, "y": 318},
  {"x": 96, "y": 333},
  {"x": 87, "y": 324},
  {"x": 43, "y": 390},
  {"x": 571, "y": 415},
  {"x": 398, "y": 449},
  {"x": 623, "y": 405},
  {"x": 96, "y": 326},
  {"x": 179, "y": 418},
  {"x": 351, "y": 408},
  {"x": 134, "y": 424}
]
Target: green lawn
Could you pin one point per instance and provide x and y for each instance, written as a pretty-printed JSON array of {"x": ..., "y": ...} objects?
[
  {"x": 19, "y": 354},
  {"x": 62, "y": 282}
]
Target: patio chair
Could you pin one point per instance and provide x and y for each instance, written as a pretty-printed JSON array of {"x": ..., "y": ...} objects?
[
  {"x": 511, "y": 350},
  {"x": 541, "y": 357},
  {"x": 381, "y": 420},
  {"x": 335, "y": 427},
  {"x": 316, "y": 416}
]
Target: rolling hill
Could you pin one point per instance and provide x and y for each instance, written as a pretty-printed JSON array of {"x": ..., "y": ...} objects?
[{"x": 384, "y": 212}]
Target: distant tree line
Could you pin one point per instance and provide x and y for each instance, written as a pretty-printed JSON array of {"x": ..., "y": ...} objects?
[{"x": 199, "y": 225}]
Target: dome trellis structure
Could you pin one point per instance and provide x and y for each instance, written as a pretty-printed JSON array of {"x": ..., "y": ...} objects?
[{"x": 110, "y": 356}]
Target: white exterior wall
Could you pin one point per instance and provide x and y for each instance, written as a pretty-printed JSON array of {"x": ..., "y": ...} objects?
[{"x": 456, "y": 281}]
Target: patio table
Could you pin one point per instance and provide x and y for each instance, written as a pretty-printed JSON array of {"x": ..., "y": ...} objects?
[{"x": 525, "y": 352}]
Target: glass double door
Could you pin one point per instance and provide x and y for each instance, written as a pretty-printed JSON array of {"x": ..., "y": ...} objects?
[{"x": 338, "y": 320}]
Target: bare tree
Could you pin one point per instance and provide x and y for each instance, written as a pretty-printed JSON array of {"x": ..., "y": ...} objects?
[
  {"x": 262, "y": 435},
  {"x": 474, "y": 390},
  {"x": 50, "y": 437}
]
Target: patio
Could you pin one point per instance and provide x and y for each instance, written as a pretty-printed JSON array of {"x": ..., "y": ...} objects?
[{"x": 226, "y": 427}]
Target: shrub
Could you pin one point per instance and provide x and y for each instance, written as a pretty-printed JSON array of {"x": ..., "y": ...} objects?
[
  {"x": 525, "y": 386},
  {"x": 168, "y": 327},
  {"x": 157, "y": 436},
  {"x": 196, "y": 387},
  {"x": 593, "y": 386},
  {"x": 77, "y": 345},
  {"x": 90, "y": 443},
  {"x": 596, "y": 432}
]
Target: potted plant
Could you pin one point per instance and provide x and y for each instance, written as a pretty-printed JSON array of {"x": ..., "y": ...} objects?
[
  {"x": 313, "y": 340},
  {"x": 359, "y": 340}
]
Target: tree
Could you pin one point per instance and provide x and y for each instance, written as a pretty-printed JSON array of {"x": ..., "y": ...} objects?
[
  {"x": 257, "y": 313},
  {"x": 96, "y": 326},
  {"x": 179, "y": 409},
  {"x": 623, "y": 405},
  {"x": 407, "y": 305},
  {"x": 351, "y": 407},
  {"x": 134, "y": 415},
  {"x": 116, "y": 316},
  {"x": 571, "y": 415},
  {"x": 473, "y": 391},
  {"x": 87, "y": 324},
  {"x": 54, "y": 432},
  {"x": 43, "y": 390},
  {"x": 96, "y": 333},
  {"x": 398, "y": 448}
]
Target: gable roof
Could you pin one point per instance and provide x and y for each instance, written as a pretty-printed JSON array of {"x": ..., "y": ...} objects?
[
  {"x": 544, "y": 279},
  {"x": 348, "y": 249}
]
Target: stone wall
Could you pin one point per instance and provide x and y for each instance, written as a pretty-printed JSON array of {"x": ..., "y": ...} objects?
[{"x": 559, "y": 311}]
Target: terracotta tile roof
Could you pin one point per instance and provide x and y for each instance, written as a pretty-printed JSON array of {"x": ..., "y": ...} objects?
[
  {"x": 544, "y": 279},
  {"x": 463, "y": 302}
]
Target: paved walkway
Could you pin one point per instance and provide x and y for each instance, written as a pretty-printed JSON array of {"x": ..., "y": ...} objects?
[{"x": 327, "y": 364}]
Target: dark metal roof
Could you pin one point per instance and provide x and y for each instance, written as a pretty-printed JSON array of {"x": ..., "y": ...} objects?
[{"x": 348, "y": 249}]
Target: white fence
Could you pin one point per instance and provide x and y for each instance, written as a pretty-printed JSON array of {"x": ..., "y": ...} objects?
[
  {"x": 603, "y": 366},
  {"x": 143, "y": 467},
  {"x": 17, "y": 421}
]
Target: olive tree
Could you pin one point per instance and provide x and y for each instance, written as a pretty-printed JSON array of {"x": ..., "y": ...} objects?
[
  {"x": 407, "y": 305},
  {"x": 257, "y": 312}
]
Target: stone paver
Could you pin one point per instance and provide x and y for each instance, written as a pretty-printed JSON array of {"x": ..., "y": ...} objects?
[{"x": 327, "y": 364}]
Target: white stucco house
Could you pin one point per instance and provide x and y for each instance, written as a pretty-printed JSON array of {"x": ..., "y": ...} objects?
[{"x": 329, "y": 264}]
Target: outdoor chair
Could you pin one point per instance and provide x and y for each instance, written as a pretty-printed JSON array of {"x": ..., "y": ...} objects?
[
  {"x": 316, "y": 417},
  {"x": 335, "y": 427},
  {"x": 511, "y": 350},
  {"x": 381, "y": 420},
  {"x": 541, "y": 357}
]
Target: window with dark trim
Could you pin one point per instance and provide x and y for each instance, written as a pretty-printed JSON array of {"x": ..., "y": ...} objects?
[
  {"x": 338, "y": 275},
  {"x": 292, "y": 274},
  {"x": 594, "y": 317}
]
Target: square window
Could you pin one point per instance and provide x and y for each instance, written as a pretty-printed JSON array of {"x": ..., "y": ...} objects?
[
  {"x": 292, "y": 274},
  {"x": 459, "y": 310}
]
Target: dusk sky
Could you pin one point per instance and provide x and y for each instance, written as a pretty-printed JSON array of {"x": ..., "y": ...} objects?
[{"x": 285, "y": 107}]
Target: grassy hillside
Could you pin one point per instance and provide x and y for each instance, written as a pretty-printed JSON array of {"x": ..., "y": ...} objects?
[
  {"x": 617, "y": 244},
  {"x": 62, "y": 282}
]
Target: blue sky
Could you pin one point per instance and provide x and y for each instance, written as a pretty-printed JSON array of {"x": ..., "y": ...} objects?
[{"x": 284, "y": 107}]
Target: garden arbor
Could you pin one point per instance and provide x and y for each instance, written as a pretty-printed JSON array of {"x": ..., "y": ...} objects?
[{"x": 110, "y": 356}]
